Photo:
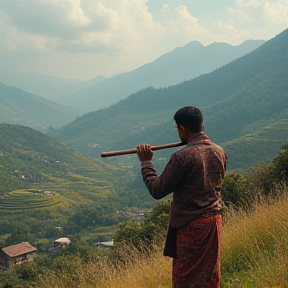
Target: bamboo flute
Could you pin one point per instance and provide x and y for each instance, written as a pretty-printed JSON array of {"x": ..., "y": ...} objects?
[{"x": 132, "y": 151}]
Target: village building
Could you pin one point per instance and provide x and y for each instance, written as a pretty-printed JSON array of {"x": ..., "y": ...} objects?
[
  {"x": 17, "y": 254},
  {"x": 105, "y": 244},
  {"x": 61, "y": 243}
]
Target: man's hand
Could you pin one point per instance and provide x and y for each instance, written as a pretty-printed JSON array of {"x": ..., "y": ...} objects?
[{"x": 144, "y": 152}]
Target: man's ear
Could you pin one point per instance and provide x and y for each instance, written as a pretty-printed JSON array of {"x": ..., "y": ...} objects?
[{"x": 182, "y": 128}]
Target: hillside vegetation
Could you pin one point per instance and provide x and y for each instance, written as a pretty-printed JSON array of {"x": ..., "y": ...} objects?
[
  {"x": 44, "y": 185},
  {"x": 254, "y": 255},
  {"x": 254, "y": 242},
  {"x": 242, "y": 98}
]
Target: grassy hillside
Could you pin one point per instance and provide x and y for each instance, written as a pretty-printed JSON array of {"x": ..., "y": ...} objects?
[
  {"x": 240, "y": 98},
  {"x": 42, "y": 180},
  {"x": 20, "y": 107},
  {"x": 254, "y": 255}
]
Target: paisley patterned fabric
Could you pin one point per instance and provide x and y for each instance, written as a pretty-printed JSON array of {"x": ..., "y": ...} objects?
[
  {"x": 197, "y": 261},
  {"x": 194, "y": 175}
]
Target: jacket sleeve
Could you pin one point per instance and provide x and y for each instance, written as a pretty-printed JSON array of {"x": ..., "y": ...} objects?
[{"x": 167, "y": 182}]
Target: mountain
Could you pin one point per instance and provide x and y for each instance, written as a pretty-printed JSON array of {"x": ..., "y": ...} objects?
[
  {"x": 49, "y": 87},
  {"x": 181, "y": 64},
  {"x": 241, "y": 98},
  {"x": 20, "y": 107}
]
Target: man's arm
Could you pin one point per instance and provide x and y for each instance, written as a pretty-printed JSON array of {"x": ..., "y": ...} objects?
[
  {"x": 159, "y": 187},
  {"x": 166, "y": 183}
]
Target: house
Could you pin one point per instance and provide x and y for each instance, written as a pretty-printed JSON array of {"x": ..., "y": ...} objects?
[
  {"x": 17, "y": 254},
  {"x": 105, "y": 244},
  {"x": 61, "y": 243}
]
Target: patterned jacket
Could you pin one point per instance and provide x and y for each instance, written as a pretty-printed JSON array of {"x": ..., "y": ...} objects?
[{"x": 194, "y": 174}]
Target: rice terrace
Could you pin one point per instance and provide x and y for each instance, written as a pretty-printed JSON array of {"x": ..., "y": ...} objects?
[{"x": 29, "y": 199}]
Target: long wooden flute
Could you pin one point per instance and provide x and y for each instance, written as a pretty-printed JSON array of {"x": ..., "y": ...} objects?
[{"x": 132, "y": 151}]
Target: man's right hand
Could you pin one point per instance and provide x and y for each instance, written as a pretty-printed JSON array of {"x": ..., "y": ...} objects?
[{"x": 144, "y": 152}]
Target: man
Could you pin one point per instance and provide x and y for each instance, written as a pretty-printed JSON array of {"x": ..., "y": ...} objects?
[{"x": 194, "y": 175}]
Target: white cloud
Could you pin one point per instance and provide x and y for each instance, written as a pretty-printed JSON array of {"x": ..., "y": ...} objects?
[
  {"x": 180, "y": 26},
  {"x": 257, "y": 19},
  {"x": 276, "y": 12},
  {"x": 85, "y": 25},
  {"x": 14, "y": 40},
  {"x": 262, "y": 12},
  {"x": 240, "y": 14},
  {"x": 124, "y": 34},
  {"x": 225, "y": 32},
  {"x": 48, "y": 18}
]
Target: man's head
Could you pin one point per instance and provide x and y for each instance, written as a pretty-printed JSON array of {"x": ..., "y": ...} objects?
[{"x": 191, "y": 118}]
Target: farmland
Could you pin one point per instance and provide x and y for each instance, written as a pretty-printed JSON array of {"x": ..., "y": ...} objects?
[{"x": 29, "y": 199}]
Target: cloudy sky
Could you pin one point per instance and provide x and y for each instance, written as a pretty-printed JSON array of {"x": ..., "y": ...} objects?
[{"x": 85, "y": 38}]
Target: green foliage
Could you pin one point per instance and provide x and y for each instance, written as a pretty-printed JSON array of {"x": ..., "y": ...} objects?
[
  {"x": 240, "y": 188},
  {"x": 33, "y": 164},
  {"x": 19, "y": 232},
  {"x": 235, "y": 188},
  {"x": 29, "y": 271},
  {"x": 280, "y": 164},
  {"x": 271, "y": 174},
  {"x": 154, "y": 225},
  {"x": 92, "y": 216}
]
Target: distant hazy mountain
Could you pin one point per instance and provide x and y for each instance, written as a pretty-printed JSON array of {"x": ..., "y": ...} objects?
[
  {"x": 244, "y": 103},
  {"x": 20, "y": 107},
  {"x": 50, "y": 87},
  {"x": 183, "y": 63}
]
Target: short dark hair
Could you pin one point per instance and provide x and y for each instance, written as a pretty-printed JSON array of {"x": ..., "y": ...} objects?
[{"x": 191, "y": 118}]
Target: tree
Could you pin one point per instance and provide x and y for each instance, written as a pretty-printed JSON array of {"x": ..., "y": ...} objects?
[
  {"x": 154, "y": 225},
  {"x": 267, "y": 176},
  {"x": 235, "y": 188},
  {"x": 20, "y": 233}
]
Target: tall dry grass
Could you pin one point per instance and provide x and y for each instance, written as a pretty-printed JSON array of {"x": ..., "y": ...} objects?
[
  {"x": 255, "y": 243},
  {"x": 254, "y": 254},
  {"x": 136, "y": 269}
]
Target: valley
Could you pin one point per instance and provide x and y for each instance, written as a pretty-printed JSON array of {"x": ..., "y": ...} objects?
[{"x": 54, "y": 183}]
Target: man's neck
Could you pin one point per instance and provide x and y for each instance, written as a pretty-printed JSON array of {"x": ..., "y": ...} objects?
[{"x": 193, "y": 135}]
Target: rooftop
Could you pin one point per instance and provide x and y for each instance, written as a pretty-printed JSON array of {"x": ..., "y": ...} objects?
[
  {"x": 63, "y": 240},
  {"x": 19, "y": 249}
]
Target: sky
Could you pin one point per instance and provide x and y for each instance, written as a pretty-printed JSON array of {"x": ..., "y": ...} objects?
[{"x": 86, "y": 38}]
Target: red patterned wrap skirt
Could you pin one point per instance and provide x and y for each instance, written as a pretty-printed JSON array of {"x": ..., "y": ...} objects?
[{"x": 197, "y": 260}]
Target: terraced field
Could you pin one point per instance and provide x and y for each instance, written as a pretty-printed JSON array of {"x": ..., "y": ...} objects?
[
  {"x": 29, "y": 199},
  {"x": 262, "y": 145}
]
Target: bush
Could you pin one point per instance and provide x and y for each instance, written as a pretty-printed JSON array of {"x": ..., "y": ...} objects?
[
  {"x": 137, "y": 234},
  {"x": 235, "y": 188}
]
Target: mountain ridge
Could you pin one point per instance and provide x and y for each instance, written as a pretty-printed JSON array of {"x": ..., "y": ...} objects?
[
  {"x": 47, "y": 86},
  {"x": 229, "y": 98},
  {"x": 20, "y": 107},
  {"x": 159, "y": 73}
]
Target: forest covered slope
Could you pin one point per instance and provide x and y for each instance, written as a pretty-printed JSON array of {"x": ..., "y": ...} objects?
[{"x": 242, "y": 97}]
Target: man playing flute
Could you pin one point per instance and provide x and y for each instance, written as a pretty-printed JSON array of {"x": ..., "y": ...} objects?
[{"x": 194, "y": 175}]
